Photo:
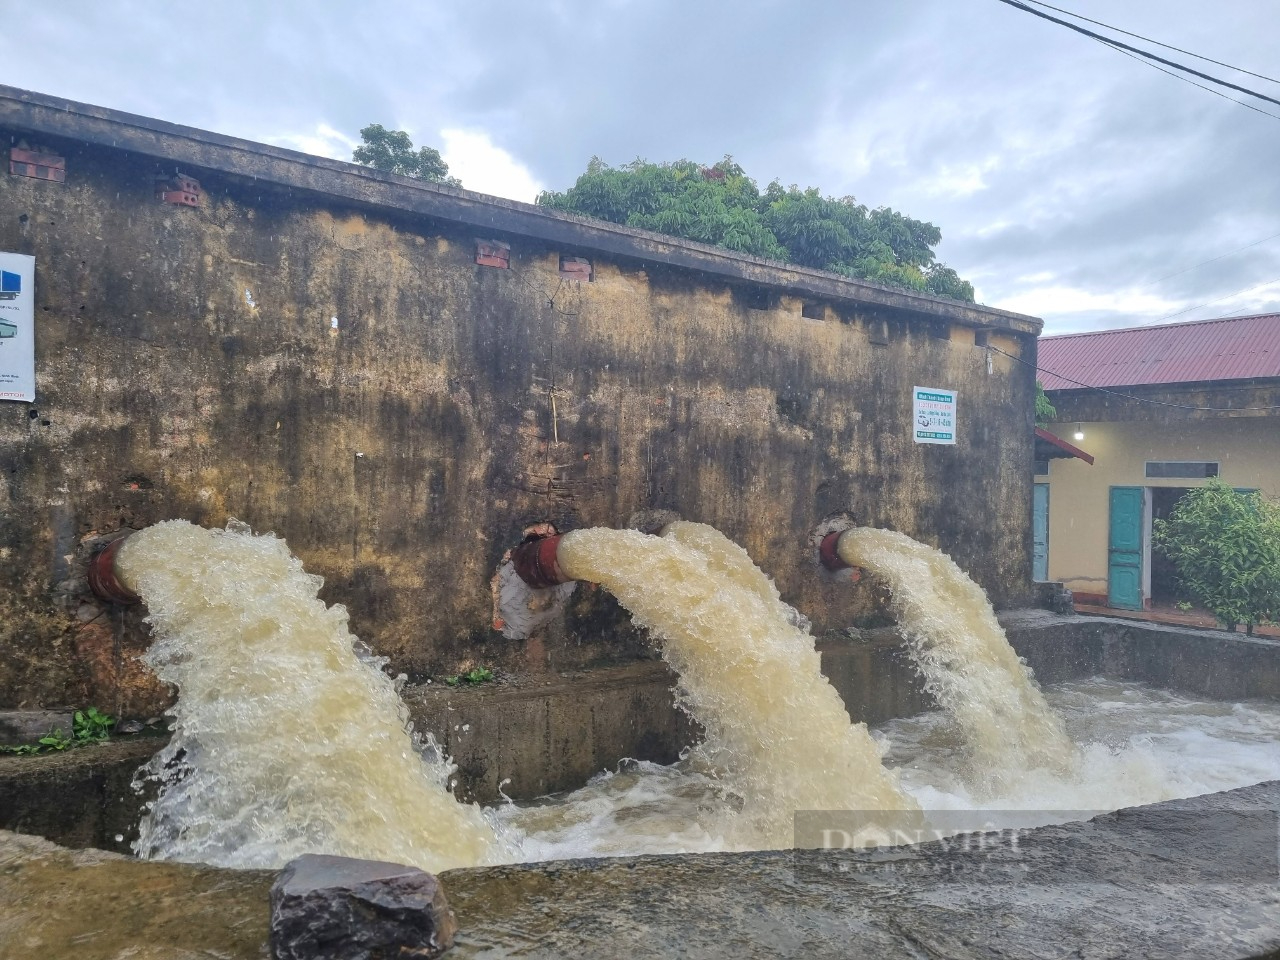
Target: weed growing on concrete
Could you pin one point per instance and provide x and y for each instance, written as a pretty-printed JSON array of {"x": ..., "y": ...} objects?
[
  {"x": 471, "y": 677},
  {"x": 88, "y": 726}
]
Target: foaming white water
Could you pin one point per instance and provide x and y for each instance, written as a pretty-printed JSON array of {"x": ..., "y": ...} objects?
[
  {"x": 1010, "y": 734},
  {"x": 285, "y": 740},
  {"x": 778, "y": 737},
  {"x": 1139, "y": 744}
]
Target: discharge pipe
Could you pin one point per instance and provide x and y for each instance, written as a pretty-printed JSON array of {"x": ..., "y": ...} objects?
[
  {"x": 536, "y": 561},
  {"x": 829, "y": 555},
  {"x": 104, "y": 580},
  {"x": 536, "y": 564}
]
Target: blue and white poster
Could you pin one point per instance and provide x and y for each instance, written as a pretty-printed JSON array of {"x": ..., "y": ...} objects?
[
  {"x": 17, "y": 327},
  {"x": 934, "y": 414}
]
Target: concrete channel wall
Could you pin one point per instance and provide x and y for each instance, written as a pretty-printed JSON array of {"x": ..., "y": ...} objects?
[
  {"x": 398, "y": 377},
  {"x": 531, "y": 738}
]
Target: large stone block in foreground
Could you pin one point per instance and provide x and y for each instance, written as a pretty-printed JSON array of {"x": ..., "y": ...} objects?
[{"x": 324, "y": 907}]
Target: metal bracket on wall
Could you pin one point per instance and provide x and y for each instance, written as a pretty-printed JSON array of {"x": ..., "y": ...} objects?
[
  {"x": 41, "y": 166},
  {"x": 178, "y": 189}
]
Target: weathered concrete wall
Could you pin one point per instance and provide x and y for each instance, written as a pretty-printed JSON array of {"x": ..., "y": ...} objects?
[{"x": 188, "y": 367}]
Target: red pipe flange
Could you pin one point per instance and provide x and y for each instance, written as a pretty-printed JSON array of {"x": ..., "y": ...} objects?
[
  {"x": 536, "y": 564},
  {"x": 104, "y": 582}
]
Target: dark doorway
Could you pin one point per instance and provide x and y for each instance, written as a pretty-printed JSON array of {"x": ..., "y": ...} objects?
[{"x": 1164, "y": 577}]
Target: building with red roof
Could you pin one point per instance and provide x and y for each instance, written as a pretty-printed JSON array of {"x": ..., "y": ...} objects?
[{"x": 1160, "y": 409}]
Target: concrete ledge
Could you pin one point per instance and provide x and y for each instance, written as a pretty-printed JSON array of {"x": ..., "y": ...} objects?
[
  {"x": 79, "y": 797},
  {"x": 542, "y": 735},
  {"x": 1207, "y": 663},
  {"x": 1081, "y": 890},
  {"x": 1078, "y": 890}
]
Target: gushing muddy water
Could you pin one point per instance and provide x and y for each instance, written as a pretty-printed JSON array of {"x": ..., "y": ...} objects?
[
  {"x": 285, "y": 739},
  {"x": 288, "y": 738},
  {"x": 1008, "y": 731}
]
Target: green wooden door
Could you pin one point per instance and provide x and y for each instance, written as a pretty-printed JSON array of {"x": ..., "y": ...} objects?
[{"x": 1124, "y": 549}]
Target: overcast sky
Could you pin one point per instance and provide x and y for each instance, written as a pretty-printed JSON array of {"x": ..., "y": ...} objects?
[{"x": 1070, "y": 181}]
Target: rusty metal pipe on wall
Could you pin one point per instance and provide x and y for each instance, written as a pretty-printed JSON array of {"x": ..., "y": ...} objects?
[
  {"x": 103, "y": 579},
  {"x": 829, "y": 555},
  {"x": 536, "y": 564}
]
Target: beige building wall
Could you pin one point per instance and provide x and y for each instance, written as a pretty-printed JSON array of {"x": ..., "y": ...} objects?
[{"x": 1246, "y": 448}]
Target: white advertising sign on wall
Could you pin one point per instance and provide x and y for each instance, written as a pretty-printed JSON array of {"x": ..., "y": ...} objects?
[
  {"x": 17, "y": 327},
  {"x": 933, "y": 412}
]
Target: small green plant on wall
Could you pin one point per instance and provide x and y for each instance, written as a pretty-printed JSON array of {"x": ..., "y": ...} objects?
[
  {"x": 87, "y": 726},
  {"x": 91, "y": 726},
  {"x": 471, "y": 677},
  {"x": 1225, "y": 546}
]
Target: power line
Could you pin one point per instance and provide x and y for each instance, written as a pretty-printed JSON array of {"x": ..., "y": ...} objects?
[
  {"x": 1203, "y": 263},
  {"x": 1208, "y": 303},
  {"x": 1167, "y": 46},
  {"x": 1121, "y": 45},
  {"x": 1129, "y": 396},
  {"x": 1178, "y": 76}
]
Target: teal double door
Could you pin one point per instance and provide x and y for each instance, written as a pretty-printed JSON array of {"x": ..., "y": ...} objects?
[{"x": 1125, "y": 547}]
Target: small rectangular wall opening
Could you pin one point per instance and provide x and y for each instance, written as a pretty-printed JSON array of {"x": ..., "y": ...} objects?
[
  {"x": 493, "y": 253},
  {"x": 756, "y": 298},
  {"x": 814, "y": 311},
  {"x": 576, "y": 268}
]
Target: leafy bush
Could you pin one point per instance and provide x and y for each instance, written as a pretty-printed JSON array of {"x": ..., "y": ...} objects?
[{"x": 1225, "y": 546}]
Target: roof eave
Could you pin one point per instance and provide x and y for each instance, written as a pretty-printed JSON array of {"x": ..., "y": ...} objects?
[{"x": 1068, "y": 449}]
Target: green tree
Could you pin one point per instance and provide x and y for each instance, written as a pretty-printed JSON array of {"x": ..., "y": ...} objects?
[
  {"x": 721, "y": 205},
  {"x": 1046, "y": 412},
  {"x": 392, "y": 151},
  {"x": 1225, "y": 546}
]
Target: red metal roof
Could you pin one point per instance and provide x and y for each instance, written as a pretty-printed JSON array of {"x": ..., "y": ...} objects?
[{"x": 1236, "y": 348}]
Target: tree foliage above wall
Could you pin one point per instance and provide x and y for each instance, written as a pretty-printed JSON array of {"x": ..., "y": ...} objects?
[
  {"x": 392, "y": 151},
  {"x": 721, "y": 205}
]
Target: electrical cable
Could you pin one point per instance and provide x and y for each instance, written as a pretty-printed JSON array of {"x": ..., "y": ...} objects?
[
  {"x": 1129, "y": 396},
  {"x": 1167, "y": 46},
  {"x": 1208, "y": 303},
  {"x": 1121, "y": 45},
  {"x": 1178, "y": 76},
  {"x": 1203, "y": 263}
]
